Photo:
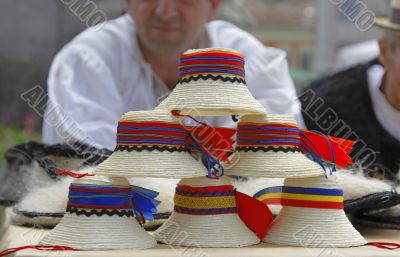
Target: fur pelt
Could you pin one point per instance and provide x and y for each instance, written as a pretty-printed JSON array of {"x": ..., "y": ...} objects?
[
  {"x": 52, "y": 196},
  {"x": 17, "y": 181}
]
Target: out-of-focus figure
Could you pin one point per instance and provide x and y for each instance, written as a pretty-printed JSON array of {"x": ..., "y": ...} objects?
[
  {"x": 131, "y": 63},
  {"x": 363, "y": 102}
]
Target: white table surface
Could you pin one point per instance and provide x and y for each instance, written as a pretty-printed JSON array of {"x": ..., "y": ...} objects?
[{"x": 19, "y": 236}]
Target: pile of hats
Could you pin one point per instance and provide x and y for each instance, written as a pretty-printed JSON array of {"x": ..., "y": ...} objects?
[{"x": 170, "y": 141}]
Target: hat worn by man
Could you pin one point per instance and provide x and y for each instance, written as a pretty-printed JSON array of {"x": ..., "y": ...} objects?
[
  {"x": 391, "y": 22},
  {"x": 151, "y": 144},
  {"x": 99, "y": 216},
  {"x": 269, "y": 146},
  {"x": 312, "y": 214},
  {"x": 205, "y": 215},
  {"x": 212, "y": 83}
]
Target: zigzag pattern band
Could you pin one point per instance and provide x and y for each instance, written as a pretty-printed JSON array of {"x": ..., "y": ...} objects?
[
  {"x": 276, "y": 149},
  {"x": 142, "y": 148},
  {"x": 212, "y": 77},
  {"x": 88, "y": 213}
]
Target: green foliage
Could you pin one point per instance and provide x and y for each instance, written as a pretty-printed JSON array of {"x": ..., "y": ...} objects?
[{"x": 10, "y": 136}]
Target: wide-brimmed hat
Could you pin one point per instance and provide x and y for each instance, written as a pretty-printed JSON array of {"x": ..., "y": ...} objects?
[
  {"x": 391, "y": 22},
  {"x": 212, "y": 83},
  {"x": 151, "y": 144},
  {"x": 269, "y": 146},
  {"x": 100, "y": 216},
  {"x": 312, "y": 214},
  {"x": 205, "y": 215}
]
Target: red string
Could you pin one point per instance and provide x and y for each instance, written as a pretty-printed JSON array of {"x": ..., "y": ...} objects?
[
  {"x": 385, "y": 245},
  {"x": 37, "y": 247},
  {"x": 72, "y": 174},
  {"x": 142, "y": 219}
]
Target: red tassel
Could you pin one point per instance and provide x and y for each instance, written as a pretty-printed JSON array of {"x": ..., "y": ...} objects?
[
  {"x": 254, "y": 213},
  {"x": 383, "y": 245},
  {"x": 216, "y": 142},
  {"x": 37, "y": 247},
  {"x": 73, "y": 174},
  {"x": 341, "y": 148}
]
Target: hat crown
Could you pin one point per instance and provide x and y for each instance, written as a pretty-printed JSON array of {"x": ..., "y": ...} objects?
[
  {"x": 205, "y": 182},
  {"x": 215, "y": 62},
  {"x": 143, "y": 116},
  {"x": 270, "y": 118},
  {"x": 313, "y": 182},
  {"x": 103, "y": 181}
]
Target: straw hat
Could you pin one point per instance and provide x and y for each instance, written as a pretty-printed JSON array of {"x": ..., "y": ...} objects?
[
  {"x": 262, "y": 152},
  {"x": 212, "y": 83},
  {"x": 213, "y": 220},
  {"x": 151, "y": 144},
  {"x": 391, "y": 22},
  {"x": 99, "y": 229},
  {"x": 312, "y": 214}
]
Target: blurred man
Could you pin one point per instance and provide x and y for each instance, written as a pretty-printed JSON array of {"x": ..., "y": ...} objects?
[
  {"x": 365, "y": 102},
  {"x": 132, "y": 62}
]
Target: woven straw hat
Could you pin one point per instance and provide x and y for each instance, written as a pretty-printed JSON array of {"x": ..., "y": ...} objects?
[
  {"x": 391, "y": 22},
  {"x": 205, "y": 229},
  {"x": 317, "y": 226},
  {"x": 150, "y": 144},
  {"x": 270, "y": 158},
  {"x": 84, "y": 229},
  {"x": 212, "y": 83}
]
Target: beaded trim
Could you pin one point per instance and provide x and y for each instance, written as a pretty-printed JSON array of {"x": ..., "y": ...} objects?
[{"x": 205, "y": 200}]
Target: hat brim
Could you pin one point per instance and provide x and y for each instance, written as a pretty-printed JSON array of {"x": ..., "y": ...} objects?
[
  {"x": 154, "y": 164},
  {"x": 212, "y": 98},
  {"x": 99, "y": 233},
  {"x": 385, "y": 23},
  {"x": 274, "y": 165},
  {"x": 224, "y": 230},
  {"x": 316, "y": 228}
]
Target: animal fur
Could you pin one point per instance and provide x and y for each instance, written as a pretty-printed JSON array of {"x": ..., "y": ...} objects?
[{"x": 51, "y": 196}]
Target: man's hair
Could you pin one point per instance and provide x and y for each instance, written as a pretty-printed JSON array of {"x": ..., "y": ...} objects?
[{"x": 393, "y": 39}]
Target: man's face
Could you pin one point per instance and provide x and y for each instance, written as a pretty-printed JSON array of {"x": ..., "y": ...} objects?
[
  {"x": 390, "y": 58},
  {"x": 170, "y": 27}
]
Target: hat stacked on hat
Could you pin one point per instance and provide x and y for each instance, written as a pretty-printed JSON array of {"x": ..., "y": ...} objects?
[
  {"x": 100, "y": 216},
  {"x": 269, "y": 146},
  {"x": 205, "y": 215},
  {"x": 312, "y": 214},
  {"x": 151, "y": 144},
  {"x": 391, "y": 22},
  {"x": 212, "y": 83}
]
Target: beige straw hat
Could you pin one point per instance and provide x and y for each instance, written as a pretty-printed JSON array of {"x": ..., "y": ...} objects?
[
  {"x": 391, "y": 22},
  {"x": 312, "y": 214},
  {"x": 268, "y": 146},
  {"x": 99, "y": 229},
  {"x": 212, "y": 83},
  {"x": 151, "y": 144},
  {"x": 205, "y": 216}
]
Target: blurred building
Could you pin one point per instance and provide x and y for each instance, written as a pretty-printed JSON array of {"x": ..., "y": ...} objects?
[
  {"x": 337, "y": 28},
  {"x": 31, "y": 33}
]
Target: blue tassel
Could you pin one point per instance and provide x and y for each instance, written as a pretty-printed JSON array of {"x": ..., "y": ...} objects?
[{"x": 144, "y": 198}]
